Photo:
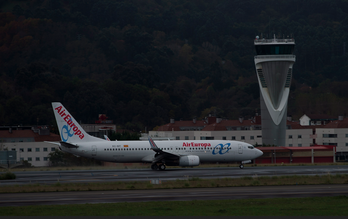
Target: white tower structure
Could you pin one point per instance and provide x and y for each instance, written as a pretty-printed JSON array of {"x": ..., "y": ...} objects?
[{"x": 273, "y": 63}]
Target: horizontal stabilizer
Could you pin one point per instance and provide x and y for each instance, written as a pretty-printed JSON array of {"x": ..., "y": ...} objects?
[
  {"x": 68, "y": 145},
  {"x": 51, "y": 142}
]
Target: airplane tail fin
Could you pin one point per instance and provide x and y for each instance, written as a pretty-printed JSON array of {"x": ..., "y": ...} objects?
[{"x": 69, "y": 129}]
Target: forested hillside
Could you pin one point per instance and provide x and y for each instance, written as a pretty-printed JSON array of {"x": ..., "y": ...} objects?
[{"x": 142, "y": 62}]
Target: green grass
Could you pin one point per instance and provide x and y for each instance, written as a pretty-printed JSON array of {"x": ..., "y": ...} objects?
[
  {"x": 147, "y": 166},
  {"x": 319, "y": 206}
]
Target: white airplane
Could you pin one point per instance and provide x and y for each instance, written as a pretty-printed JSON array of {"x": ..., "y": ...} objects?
[{"x": 160, "y": 154}]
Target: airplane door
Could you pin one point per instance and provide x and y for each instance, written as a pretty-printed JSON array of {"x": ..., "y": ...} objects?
[
  {"x": 240, "y": 149},
  {"x": 94, "y": 150}
]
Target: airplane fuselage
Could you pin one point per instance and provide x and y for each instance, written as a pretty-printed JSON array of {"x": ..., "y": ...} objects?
[{"x": 140, "y": 151}]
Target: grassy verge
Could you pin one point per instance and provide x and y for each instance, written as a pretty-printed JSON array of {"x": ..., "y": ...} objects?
[
  {"x": 189, "y": 183},
  {"x": 322, "y": 206},
  {"x": 147, "y": 166}
]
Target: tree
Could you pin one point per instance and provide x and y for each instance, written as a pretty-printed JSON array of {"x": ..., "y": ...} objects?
[{"x": 57, "y": 158}]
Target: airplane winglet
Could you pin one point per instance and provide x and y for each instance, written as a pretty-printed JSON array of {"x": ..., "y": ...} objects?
[
  {"x": 106, "y": 138},
  {"x": 153, "y": 145}
]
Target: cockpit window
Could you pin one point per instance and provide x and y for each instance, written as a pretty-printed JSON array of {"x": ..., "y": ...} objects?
[{"x": 250, "y": 147}]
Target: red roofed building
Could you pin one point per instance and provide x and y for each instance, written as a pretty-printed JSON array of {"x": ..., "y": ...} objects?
[
  {"x": 331, "y": 132},
  {"x": 28, "y": 142},
  {"x": 248, "y": 130},
  {"x": 315, "y": 119},
  {"x": 27, "y": 134}
]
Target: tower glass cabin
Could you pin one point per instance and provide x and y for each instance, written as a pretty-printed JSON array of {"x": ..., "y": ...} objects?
[{"x": 273, "y": 63}]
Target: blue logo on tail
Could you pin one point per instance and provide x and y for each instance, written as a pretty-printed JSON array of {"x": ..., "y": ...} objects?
[{"x": 66, "y": 133}]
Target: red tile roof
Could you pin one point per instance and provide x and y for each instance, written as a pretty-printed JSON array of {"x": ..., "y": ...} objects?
[
  {"x": 222, "y": 126},
  {"x": 320, "y": 116},
  {"x": 177, "y": 124},
  {"x": 336, "y": 124},
  {"x": 224, "y": 123},
  {"x": 28, "y": 134},
  {"x": 209, "y": 125}
]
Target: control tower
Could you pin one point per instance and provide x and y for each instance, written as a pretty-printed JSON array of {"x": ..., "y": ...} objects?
[{"x": 273, "y": 63}]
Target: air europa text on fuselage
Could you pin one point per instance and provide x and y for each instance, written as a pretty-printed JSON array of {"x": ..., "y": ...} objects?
[
  {"x": 68, "y": 120},
  {"x": 193, "y": 144}
]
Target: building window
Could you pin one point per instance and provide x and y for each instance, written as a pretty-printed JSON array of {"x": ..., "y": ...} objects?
[
  {"x": 329, "y": 135},
  {"x": 242, "y": 137},
  {"x": 37, "y": 158},
  {"x": 13, "y": 149},
  {"x": 300, "y": 145},
  {"x": 29, "y": 149},
  {"x": 224, "y": 138},
  {"x": 177, "y": 137},
  {"x": 325, "y": 143},
  {"x": 346, "y": 144},
  {"x": 29, "y": 158},
  {"x": 290, "y": 136},
  {"x": 37, "y": 149},
  {"x": 251, "y": 137},
  {"x": 21, "y": 149},
  {"x": 186, "y": 137},
  {"x": 346, "y": 135},
  {"x": 45, "y": 158},
  {"x": 233, "y": 137},
  {"x": 299, "y": 136},
  {"x": 259, "y": 136},
  {"x": 207, "y": 138},
  {"x": 44, "y": 149},
  {"x": 290, "y": 145},
  {"x": 53, "y": 149}
]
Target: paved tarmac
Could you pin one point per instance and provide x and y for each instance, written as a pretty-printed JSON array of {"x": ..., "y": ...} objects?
[
  {"x": 222, "y": 193},
  {"x": 87, "y": 176}
]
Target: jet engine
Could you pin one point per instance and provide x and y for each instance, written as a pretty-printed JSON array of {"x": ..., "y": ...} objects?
[{"x": 189, "y": 160}]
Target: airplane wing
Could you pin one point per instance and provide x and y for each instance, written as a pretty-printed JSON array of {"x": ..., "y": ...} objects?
[{"x": 160, "y": 154}]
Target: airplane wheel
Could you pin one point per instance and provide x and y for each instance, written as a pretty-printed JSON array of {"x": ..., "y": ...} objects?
[
  {"x": 241, "y": 166},
  {"x": 162, "y": 167},
  {"x": 154, "y": 167}
]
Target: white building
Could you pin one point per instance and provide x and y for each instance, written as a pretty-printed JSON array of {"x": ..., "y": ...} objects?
[
  {"x": 36, "y": 153},
  {"x": 332, "y": 133},
  {"x": 29, "y": 143}
]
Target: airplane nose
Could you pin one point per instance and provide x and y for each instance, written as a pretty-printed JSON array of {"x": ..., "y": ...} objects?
[{"x": 259, "y": 152}]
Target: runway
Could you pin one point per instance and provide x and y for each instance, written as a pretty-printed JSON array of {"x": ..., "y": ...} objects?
[
  {"x": 88, "y": 176},
  {"x": 82, "y": 197}
]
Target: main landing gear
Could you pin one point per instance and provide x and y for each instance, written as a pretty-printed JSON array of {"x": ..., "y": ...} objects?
[
  {"x": 158, "y": 167},
  {"x": 241, "y": 166}
]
